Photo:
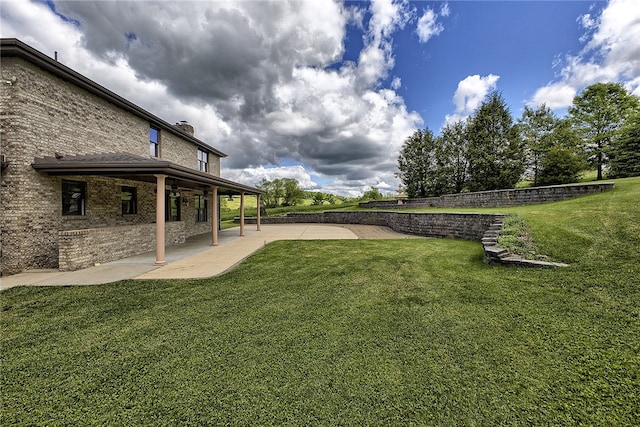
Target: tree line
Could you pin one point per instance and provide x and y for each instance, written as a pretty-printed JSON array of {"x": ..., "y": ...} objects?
[
  {"x": 282, "y": 192},
  {"x": 490, "y": 150}
]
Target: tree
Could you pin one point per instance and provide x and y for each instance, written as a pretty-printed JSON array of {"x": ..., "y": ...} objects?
[
  {"x": 565, "y": 136},
  {"x": 625, "y": 158},
  {"x": 536, "y": 129},
  {"x": 272, "y": 194},
  {"x": 280, "y": 192},
  {"x": 598, "y": 114},
  {"x": 318, "y": 198},
  {"x": 559, "y": 166},
  {"x": 372, "y": 194},
  {"x": 451, "y": 158},
  {"x": 416, "y": 163},
  {"x": 495, "y": 153},
  {"x": 292, "y": 193}
]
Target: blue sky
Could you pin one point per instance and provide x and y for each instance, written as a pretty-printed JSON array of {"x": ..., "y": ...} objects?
[
  {"x": 327, "y": 92},
  {"x": 515, "y": 40}
]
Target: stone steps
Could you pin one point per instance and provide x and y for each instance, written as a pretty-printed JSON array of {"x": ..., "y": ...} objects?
[{"x": 494, "y": 254}]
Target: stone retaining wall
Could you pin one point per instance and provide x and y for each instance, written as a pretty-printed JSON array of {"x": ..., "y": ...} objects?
[
  {"x": 84, "y": 248},
  {"x": 497, "y": 198},
  {"x": 447, "y": 225}
]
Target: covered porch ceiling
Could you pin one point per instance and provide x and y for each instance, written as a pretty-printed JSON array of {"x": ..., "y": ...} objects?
[{"x": 137, "y": 168}]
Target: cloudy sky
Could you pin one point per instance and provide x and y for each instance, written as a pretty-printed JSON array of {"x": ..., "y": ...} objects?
[{"x": 324, "y": 91}]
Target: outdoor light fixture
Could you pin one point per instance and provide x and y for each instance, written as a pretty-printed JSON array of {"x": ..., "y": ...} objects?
[
  {"x": 174, "y": 189},
  {"x": 230, "y": 198},
  {"x": 205, "y": 194}
]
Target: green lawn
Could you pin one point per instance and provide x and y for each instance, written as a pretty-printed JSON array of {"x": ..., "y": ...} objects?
[{"x": 397, "y": 332}]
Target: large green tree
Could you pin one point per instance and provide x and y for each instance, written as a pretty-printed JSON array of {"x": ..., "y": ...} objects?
[
  {"x": 451, "y": 157},
  {"x": 293, "y": 194},
  {"x": 536, "y": 128},
  {"x": 625, "y": 158},
  {"x": 281, "y": 192},
  {"x": 417, "y": 163},
  {"x": 495, "y": 151},
  {"x": 598, "y": 114},
  {"x": 564, "y": 160}
]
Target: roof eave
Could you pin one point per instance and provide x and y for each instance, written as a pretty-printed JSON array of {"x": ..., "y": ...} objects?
[{"x": 147, "y": 169}]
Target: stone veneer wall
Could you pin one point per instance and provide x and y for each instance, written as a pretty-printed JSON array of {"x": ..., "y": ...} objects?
[
  {"x": 497, "y": 198},
  {"x": 83, "y": 248},
  {"x": 469, "y": 226}
]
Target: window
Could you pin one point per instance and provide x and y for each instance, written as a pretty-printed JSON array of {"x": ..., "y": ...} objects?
[
  {"x": 74, "y": 196},
  {"x": 172, "y": 207},
  {"x": 203, "y": 161},
  {"x": 129, "y": 200},
  {"x": 154, "y": 141},
  {"x": 201, "y": 208}
]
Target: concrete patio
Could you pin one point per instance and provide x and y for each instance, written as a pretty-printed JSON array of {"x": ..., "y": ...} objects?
[{"x": 196, "y": 258}]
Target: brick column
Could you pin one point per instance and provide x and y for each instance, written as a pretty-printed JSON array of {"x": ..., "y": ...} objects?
[
  {"x": 258, "y": 215},
  {"x": 214, "y": 216},
  {"x": 242, "y": 213},
  {"x": 160, "y": 249}
]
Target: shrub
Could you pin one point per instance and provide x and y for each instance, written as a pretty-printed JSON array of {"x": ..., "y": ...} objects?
[{"x": 559, "y": 166}]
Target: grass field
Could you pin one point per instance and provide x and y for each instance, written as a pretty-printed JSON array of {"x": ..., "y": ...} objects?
[{"x": 378, "y": 332}]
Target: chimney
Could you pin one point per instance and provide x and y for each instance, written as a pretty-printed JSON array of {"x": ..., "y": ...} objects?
[{"x": 185, "y": 127}]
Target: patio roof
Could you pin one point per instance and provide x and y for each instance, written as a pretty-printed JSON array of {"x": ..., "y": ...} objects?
[{"x": 137, "y": 168}]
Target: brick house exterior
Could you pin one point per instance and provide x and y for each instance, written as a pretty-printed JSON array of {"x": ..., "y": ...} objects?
[{"x": 90, "y": 177}]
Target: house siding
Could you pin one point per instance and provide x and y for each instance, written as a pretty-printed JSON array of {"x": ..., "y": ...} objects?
[{"x": 41, "y": 115}]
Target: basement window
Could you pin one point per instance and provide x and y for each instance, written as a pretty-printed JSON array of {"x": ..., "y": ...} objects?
[
  {"x": 172, "y": 206},
  {"x": 129, "y": 200},
  {"x": 201, "y": 208},
  {"x": 74, "y": 197}
]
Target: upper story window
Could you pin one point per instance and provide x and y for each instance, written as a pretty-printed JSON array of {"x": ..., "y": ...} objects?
[
  {"x": 74, "y": 196},
  {"x": 154, "y": 141},
  {"x": 129, "y": 199},
  {"x": 203, "y": 161}
]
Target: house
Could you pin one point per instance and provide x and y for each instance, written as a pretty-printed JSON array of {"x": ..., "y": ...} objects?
[{"x": 89, "y": 177}]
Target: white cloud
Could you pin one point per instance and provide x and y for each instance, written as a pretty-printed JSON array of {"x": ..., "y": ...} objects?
[
  {"x": 469, "y": 95},
  {"x": 611, "y": 53},
  {"x": 633, "y": 86},
  {"x": 376, "y": 58},
  {"x": 428, "y": 27},
  {"x": 554, "y": 96},
  {"x": 18, "y": 18},
  {"x": 444, "y": 10},
  {"x": 587, "y": 22},
  {"x": 396, "y": 83}
]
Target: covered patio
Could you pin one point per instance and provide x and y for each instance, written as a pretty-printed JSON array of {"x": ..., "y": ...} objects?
[{"x": 164, "y": 174}]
